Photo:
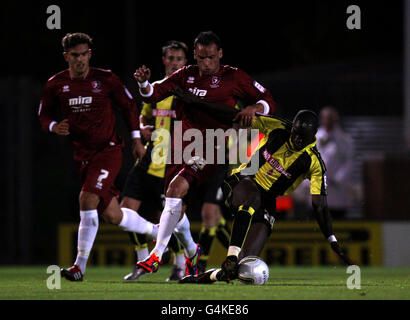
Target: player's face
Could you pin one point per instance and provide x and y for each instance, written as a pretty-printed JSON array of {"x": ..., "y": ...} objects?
[
  {"x": 78, "y": 59},
  {"x": 300, "y": 136},
  {"x": 208, "y": 58},
  {"x": 173, "y": 60}
]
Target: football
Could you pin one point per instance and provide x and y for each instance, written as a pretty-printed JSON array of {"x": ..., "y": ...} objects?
[{"x": 253, "y": 270}]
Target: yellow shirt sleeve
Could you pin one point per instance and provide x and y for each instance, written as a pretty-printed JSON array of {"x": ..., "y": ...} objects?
[
  {"x": 147, "y": 110},
  {"x": 317, "y": 178},
  {"x": 267, "y": 124}
]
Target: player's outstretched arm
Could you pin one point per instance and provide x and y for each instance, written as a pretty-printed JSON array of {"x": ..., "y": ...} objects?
[
  {"x": 222, "y": 113},
  {"x": 248, "y": 89},
  {"x": 323, "y": 218}
]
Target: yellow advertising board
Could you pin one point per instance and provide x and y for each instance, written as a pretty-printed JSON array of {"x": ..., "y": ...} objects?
[{"x": 291, "y": 243}]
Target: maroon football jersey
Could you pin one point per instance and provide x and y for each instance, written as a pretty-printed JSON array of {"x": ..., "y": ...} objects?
[
  {"x": 225, "y": 87},
  {"x": 88, "y": 105}
]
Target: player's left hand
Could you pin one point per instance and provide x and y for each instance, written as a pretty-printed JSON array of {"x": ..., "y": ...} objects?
[
  {"x": 138, "y": 150},
  {"x": 245, "y": 117},
  {"x": 340, "y": 253}
]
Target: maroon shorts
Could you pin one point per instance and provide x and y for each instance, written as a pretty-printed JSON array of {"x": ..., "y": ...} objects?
[{"x": 98, "y": 174}]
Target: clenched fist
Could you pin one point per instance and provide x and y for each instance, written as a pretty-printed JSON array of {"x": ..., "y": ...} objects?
[{"x": 142, "y": 74}]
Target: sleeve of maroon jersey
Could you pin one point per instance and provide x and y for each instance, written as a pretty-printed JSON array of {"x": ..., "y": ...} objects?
[
  {"x": 248, "y": 89},
  {"x": 125, "y": 102},
  {"x": 47, "y": 111},
  {"x": 165, "y": 88}
]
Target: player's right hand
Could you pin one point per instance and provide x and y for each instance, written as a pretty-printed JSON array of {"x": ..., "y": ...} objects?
[
  {"x": 142, "y": 74},
  {"x": 61, "y": 128},
  {"x": 138, "y": 150}
]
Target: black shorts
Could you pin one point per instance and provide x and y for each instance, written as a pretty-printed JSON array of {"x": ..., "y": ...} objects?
[
  {"x": 144, "y": 187},
  {"x": 210, "y": 191},
  {"x": 266, "y": 212}
]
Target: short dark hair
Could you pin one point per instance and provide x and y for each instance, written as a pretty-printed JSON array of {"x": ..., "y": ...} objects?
[
  {"x": 308, "y": 119},
  {"x": 207, "y": 38},
  {"x": 71, "y": 40},
  {"x": 174, "y": 45}
]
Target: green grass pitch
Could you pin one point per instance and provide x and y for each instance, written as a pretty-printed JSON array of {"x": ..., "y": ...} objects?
[{"x": 287, "y": 283}]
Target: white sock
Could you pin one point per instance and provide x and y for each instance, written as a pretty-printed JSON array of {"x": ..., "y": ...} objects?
[
  {"x": 81, "y": 261},
  {"x": 87, "y": 231},
  {"x": 154, "y": 231},
  {"x": 142, "y": 253},
  {"x": 179, "y": 260},
  {"x": 183, "y": 232},
  {"x": 169, "y": 219},
  {"x": 133, "y": 222}
]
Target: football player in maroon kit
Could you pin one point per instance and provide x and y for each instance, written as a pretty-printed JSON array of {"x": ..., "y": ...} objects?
[
  {"x": 213, "y": 82},
  {"x": 85, "y": 97}
]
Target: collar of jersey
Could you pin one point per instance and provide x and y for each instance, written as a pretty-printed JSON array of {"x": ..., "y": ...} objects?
[
  {"x": 82, "y": 78},
  {"x": 216, "y": 74},
  {"x": 305, "y": 148}
]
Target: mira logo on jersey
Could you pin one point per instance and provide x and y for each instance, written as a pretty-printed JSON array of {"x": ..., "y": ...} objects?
[
  {"x": 80, "y": 104},
  {"x": 198, "y": 92}
]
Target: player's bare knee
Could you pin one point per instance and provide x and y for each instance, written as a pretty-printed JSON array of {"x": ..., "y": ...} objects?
[
  {"x": 210, "y": 217},
  {"x": 111, "y": 217},
  {"x": 130, "y": 203},
  {"x": 88, "y": 200},
  {"x": 113, "y": 213},
  {"x": 209, "y": 221},
  {"x": 178, "y": 188},
  {"x": 108, "y": 218},
  {"x": 175, "y": 191}
]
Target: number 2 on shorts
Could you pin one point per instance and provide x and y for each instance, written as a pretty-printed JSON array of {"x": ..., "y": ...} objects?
[{"x": 104, "y": 174}]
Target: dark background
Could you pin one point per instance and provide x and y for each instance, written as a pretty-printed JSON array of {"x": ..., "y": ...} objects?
[
  {"x": 308, "y": 37},
  {"x": 301, "y": 51}
]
